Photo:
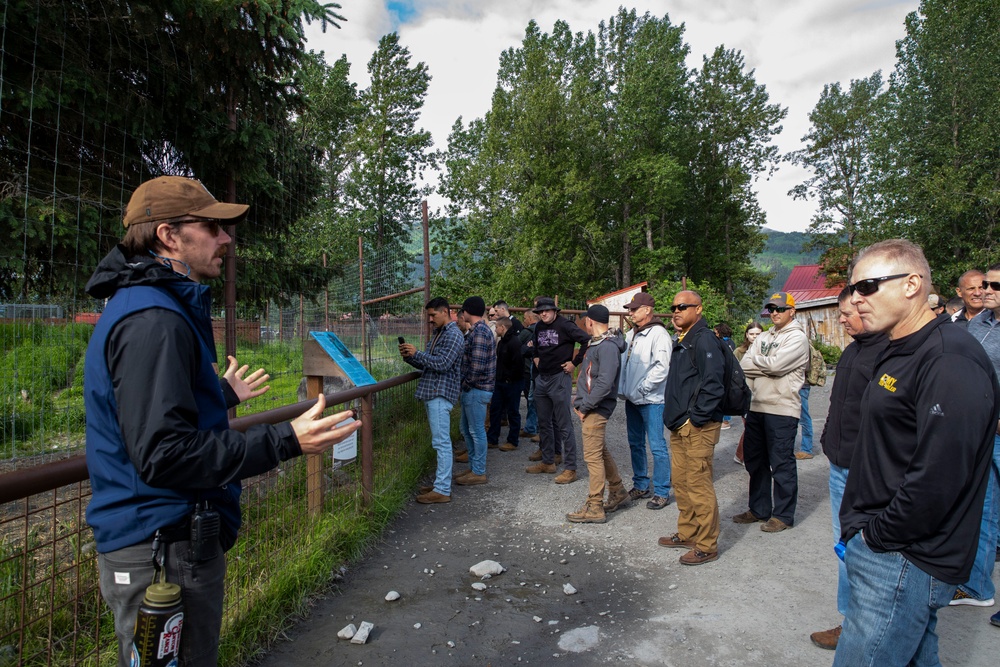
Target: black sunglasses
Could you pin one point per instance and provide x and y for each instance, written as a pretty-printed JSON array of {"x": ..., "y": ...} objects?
[
  {"x": 682, "y": 307},
  {"x": 869, "y": 286},
  {"x": 777, "y": 309},
  {"x": 992, "y": 285}
]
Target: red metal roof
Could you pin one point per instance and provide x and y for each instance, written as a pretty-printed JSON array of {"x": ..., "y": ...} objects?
[{"x": 807, "y": 283}]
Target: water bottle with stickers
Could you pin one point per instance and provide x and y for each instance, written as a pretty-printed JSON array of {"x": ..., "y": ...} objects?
[{"x": 157, "y": 638}]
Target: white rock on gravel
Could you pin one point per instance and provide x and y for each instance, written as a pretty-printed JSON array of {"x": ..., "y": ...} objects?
[
  {"x": 416, "y": 626},
  {"x": 347, "y": 632},
  {"x": 487, "y": 567},
  {"x": 580, "y": 639},
  {"x": 479, "y": 586},
  {"x": 391, "y": 595},
  {"x": 361, "y": 636},
  {"x": 536, "y": 619},
  {"x": 568, "y": 589}
]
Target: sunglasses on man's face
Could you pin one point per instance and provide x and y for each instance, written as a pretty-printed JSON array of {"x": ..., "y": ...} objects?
[
  {"x": 991, "y": 285},
  {"x": 776, "y": 309},
  {"x": 869, "y": 286},
  {"x": 682, "y": 307}
]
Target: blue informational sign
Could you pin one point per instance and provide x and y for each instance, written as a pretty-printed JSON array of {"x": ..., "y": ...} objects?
[{"x": 352, "y": 368}]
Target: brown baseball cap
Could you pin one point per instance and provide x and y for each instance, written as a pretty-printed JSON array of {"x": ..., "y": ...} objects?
[
  {"x": 640, "y": 299},
  {"x": 168, "y": 197}
]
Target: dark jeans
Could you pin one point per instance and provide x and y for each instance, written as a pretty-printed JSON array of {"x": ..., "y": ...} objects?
[
  {"x": 124, "y": 576},
  {"x": 506, "y": 402},
  {"x": 553, "y": 400},
  {"x": 769, "y": 457}
]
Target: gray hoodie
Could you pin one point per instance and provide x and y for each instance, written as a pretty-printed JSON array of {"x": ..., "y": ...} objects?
[
  {"x": 597, "y": 384},
  {"x": 775, "y": 366}
]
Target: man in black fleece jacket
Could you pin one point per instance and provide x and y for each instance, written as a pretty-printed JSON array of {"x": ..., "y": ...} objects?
[
  {"x": 914, "y": 498},
  {"x": 555, "y": 338},
  {"x": 840, "y": 433}
]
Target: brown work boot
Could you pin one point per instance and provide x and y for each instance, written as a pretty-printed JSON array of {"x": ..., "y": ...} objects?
[
  {"x": 695, "y": 557},
  {"x": 472, "y": 479},
  {"x": 492, "y": 445},
  {"x": 591, "y": 512},
  {"x": 525, "y": 434},
  {"x": 568, "y": 477},
  {"x": 547, "y": 468},
  {"x": 558, "y": 459},
  {"x": 774, "y": 525},
  {"x": 425, "y": 489},
  {"x": 675, "y": 541},
  {"x": 827, "y": 638},
  {"x": 536, "y": 438},
  {"x": 536, "y": 455},
  {"x": 617, "y": 498},
  {"x": 462, "y": 457},
  {"x": 803, "y": 456},
  {"x": 746, "y": 517},
  {"x": 432, "y": 498},
  {"x": 507, "y": 447},
  {"x": 456, "y": 475}
]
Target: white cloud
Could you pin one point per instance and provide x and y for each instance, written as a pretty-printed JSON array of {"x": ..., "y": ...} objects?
[{"x": 795, "y": 46}]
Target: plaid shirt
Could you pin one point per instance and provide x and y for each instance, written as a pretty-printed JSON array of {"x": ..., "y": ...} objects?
[
  {"x": 440, "y": 364},
  {"x": 479, "y": 363}
]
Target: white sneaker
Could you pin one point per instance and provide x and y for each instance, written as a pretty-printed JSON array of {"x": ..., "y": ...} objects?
[{"x": 961, "y": 597}]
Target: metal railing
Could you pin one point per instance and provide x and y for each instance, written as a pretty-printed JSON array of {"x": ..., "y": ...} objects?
[{"x": 51, "y": 612}]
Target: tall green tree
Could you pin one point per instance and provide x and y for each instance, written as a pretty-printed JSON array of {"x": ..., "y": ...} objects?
[
  {"x": 838, "y": 151},
  {"x": 937, "y": 154}
]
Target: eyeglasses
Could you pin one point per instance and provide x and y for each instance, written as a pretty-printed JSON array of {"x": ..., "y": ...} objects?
[
  {"x": 777, "y": 309},
  {"x": 682, "y": 307},
  {"x": 869, "y": 286},
  {"x": 992, "y": 285}
]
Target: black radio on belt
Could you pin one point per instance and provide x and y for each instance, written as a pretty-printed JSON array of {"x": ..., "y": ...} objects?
[{"x": 205, "y": 526}]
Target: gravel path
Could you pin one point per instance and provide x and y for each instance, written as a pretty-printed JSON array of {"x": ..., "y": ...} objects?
[{"x": 635, "y": 603}]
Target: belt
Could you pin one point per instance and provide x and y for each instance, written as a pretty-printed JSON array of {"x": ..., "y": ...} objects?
[{"x": 179, "y": 532}]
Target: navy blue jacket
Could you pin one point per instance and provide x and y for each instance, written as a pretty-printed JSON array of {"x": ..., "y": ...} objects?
[{"x": 158, "y": 437}]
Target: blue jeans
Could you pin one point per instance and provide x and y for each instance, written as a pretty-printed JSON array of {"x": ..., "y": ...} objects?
[
  {"x": 474, "y": 404},
  {"x": 892, "y": 613},
  {"x": 506, "y": 402},
  {"x": 531, "y": 418},
  {"x": 805, "y": 420},
  {"x": 644, "y": 421},
  {"x": 838, "y": 480},
  {"x": 980, "y": 583},
  {"x": 439, "y": 419}
]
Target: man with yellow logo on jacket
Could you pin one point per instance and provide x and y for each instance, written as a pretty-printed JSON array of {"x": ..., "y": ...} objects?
[{"x": 775, "y": 366}]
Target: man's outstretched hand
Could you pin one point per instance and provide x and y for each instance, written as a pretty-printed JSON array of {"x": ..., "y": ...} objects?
[
  {"x": 317, "y": 433},
  {"x": 246, "y": 388}
]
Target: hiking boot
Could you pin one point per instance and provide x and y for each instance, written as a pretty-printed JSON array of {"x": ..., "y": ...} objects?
[
  {"x": 424, "y": 489},
  {"x": 827, "y": 638},
  {"x": 507, "y": 447},
  {"x": 963, "y": 598},
  {"x": 695, "y": 557},
  {"x": 657, "y": 503},
  {"x": 558, "y": 459},
  {"x": 456, "y": 475},
  {"x": 525, "y": 434},
  {"x": 617, "y": 498},
  {"x": 536, "y": 438},
  {"x": 547, "y": 468},
  {"x": 639, "y": 494},
  {"x": 432, "y": 498},
  {"x": 747, "y": 517},
  {"x": 568, "y": 477},
  {"x": 535, "y": 455},
  {"x": 803, "y": 456},
  {"x": 472, "y": 479},
  {"x": 462, "y": 457},
  {"x": 774, "y": 525},
  {"x": 675, "y": 542},
  {"x": 492, "y": 445},
  {"x": 591, "y": 512}
]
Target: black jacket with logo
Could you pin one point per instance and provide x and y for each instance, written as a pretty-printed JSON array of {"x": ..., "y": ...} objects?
[
  {"x": 919, "y": 470},
  {"x": 695, "y": 382}
]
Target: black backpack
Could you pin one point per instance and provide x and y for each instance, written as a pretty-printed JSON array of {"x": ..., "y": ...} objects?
[{"x": 736, "y": 399}]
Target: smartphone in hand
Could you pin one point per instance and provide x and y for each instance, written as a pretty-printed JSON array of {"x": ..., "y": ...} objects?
[{"x": 401, "y": 340}]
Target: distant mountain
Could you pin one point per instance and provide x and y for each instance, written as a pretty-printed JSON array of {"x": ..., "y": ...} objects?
[{"x": 784, "y": 250}]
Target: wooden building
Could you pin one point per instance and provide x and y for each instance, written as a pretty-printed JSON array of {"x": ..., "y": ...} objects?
[{"x": 816, "y": 305}]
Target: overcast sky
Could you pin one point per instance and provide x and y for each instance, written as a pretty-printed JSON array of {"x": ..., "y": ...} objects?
[{"x": 795, "y": 46}]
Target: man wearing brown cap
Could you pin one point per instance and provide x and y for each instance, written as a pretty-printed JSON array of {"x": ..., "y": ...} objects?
[
  {"x": 775, "y": 366},
  {"x": 165, "y": 468},
  {"x": 645, "y": 362}
]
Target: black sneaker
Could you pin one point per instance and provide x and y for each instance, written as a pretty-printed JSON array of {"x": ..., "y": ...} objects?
[{"x": 637, "y": 494}]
